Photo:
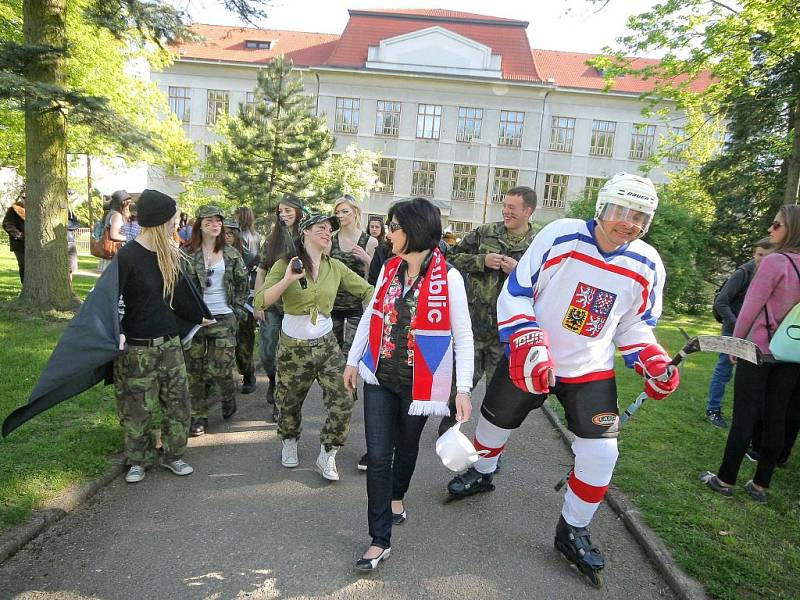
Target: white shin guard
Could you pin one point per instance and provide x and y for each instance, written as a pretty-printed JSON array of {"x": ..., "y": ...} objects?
[
  {"x": 594, "y": 465},
  {"x": 492, "y": 438}
]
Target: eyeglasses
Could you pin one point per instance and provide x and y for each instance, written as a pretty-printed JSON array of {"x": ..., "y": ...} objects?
[
  {"x": 775, "y": 225},
  {"x": 394, "y": 226},
  {"x": 209, "y": 273}
]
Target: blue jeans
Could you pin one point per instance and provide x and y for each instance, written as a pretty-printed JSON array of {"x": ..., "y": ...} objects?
[
  {"x": 392, "y": 448},
  {"x": 719, "y": 379}
]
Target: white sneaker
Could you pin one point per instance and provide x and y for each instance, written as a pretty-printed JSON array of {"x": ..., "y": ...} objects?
[
  {"x": 326, "y": 463},
  {"x": 135, "y": 474},
  {"x": 289, "y": 454}
]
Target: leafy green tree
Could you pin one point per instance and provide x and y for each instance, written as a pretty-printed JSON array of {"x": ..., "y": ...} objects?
[
  {"x": 734, "y": 49},
  {"x": 274, "y": 148},
  {"x": 350, "y": 173},
  {"x": 34, "y": 78}
]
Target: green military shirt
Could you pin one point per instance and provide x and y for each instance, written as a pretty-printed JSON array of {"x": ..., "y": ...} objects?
[
  {"x": 319, "y": 296},
  {"x": 235, "y": 280},
  {"x": 484, "y": 285}
]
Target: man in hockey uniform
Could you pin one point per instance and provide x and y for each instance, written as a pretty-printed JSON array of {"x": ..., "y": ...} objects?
[{"x": 580, "y": 290}]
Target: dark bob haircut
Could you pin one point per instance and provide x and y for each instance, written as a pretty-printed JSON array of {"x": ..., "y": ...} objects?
[{"x": 421, "y": 222}]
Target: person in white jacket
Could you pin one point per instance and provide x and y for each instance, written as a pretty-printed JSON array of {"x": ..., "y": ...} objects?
[{"x": 580, "y": 291}]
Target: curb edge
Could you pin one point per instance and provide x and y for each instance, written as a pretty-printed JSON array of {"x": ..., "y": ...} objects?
[{"x": 678, "y": 580}]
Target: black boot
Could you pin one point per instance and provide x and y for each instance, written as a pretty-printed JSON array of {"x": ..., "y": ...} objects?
[
  {"x": 271, "y": 390},
  {"x": 228, "y": 408},
  {"x": 249, "y": 383},
  {"x": 576, "y": 545},
  {"x": 470, "y": 482}
]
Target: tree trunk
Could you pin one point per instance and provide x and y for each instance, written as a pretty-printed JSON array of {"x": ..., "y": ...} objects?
[
  {"x": 47, "y": 283},
  {"x": 790, "y": 195}
]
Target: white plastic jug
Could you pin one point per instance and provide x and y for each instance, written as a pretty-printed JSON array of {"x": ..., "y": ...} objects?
[{"x": 455, "y": 450}]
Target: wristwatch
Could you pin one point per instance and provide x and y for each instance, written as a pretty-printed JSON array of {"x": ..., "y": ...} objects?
[{"x": 467, "y": 391}]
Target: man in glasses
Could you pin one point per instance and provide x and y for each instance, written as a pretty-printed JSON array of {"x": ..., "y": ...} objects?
[{"x": 581, "y": 291}]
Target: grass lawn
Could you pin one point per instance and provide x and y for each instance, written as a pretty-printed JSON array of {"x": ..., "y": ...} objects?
[
  {"x": 736, "y": 547},
  {"x": 69, "y": 443}
]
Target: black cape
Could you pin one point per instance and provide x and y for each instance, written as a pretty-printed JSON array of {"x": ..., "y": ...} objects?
[{"x": 85, "y": 353}]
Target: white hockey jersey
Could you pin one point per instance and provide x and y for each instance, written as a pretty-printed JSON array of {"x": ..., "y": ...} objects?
[{"x": 588, "y": 302}]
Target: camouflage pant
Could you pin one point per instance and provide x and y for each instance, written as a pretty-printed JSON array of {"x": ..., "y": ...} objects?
[
  {"x": 344, "y": 328},
  {"x": 210, "y": 360},
  {"x": 269, "y": 330},
  {"x": 300, "y": 362},
  {"x": 487, "y": 355},
  {"x": 245, "y": 339},
  {"x": 146, "y": 380}
]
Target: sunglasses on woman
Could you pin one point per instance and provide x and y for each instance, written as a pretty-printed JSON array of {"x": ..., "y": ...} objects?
[
  {"x": 209, "y": 273},
  {"x": 775, "y": 225},
  {"x": 394, "y": 226}
]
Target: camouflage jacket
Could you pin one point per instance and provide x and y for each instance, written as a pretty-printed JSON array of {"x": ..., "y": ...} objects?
[
  {"x": 484, "y": 285},
  {"x": 235, "y": 279}
]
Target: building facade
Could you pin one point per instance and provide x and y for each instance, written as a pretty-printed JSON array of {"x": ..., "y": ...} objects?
[{"x": 458, "y": 105}]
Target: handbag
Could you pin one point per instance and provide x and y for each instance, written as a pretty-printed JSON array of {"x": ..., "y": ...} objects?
[
  {"x": 105, "y": 247},
  {"x": 785, "y": 343}
]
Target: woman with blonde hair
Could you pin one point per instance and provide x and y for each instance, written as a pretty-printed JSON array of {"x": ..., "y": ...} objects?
[
  {"x": 354, "y": 247},
  {"x": 152, "y": 365}
]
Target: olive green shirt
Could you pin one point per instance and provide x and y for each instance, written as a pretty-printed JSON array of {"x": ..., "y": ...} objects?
[{"x": 319, "y": 296}]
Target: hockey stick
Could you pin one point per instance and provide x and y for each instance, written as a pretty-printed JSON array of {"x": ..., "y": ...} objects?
[{"x": 722, "y": 344}]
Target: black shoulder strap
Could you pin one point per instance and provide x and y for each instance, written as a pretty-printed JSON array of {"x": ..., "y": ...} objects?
[{"x": 791, "y": 262}]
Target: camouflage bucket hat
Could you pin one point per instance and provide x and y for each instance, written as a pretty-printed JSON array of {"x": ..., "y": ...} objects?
[
  {"x": 232, "y": 224},
  {"x": 209, "y": 210},
  {"x": 313, "y": 219}
]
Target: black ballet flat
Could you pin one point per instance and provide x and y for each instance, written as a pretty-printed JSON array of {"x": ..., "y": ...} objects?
[
  {"x": 370, "y": 564},
  {"x": 399, "y": 518}
]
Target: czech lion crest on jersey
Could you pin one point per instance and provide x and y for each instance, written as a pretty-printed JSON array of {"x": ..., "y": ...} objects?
[{"x": 589, "y": 309}]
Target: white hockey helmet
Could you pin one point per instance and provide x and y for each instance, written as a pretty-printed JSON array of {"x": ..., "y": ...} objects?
[{"x": 631, "y": 192}]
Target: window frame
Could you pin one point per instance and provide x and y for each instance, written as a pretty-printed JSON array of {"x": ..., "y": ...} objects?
[
  {"x": 434, "y": 117},
  {"x": 590, "y": 191},
  {"x": 560, "y": 186},
  {"x": 423, "y": 180},
  {"x": 387, "y": 166},
  {"x": 516, "y": 127},
  {"x": 562, "y": 134},
  {"x": 465, "y": 178},
  {"x": 469, "y": 125},
  {"x": 214, "y": 104},
  {"x": 184, "y": 102},
  {"x": 602, "y": 141},
  {"x": 346, "y": 118},
  {"x": 643, "y": 139},
  {"x": 504, "y": 179},
  {"x": 387, "y": 110}
]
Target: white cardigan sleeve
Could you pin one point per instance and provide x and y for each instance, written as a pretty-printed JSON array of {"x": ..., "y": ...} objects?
[
  {"x": 461, "y": 326},
  {"x": 361, "y": 336}
]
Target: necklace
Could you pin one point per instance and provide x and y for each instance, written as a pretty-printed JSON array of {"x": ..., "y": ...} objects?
[{"x": 410, "y": 279}]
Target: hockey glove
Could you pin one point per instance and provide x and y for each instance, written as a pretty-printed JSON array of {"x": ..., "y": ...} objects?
[
  {"x": 661, "y": 378},
  {"x": 529, "y": 362}
]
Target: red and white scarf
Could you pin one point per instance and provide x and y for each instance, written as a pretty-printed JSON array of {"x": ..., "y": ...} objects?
[{"x": 432, "y": 337}]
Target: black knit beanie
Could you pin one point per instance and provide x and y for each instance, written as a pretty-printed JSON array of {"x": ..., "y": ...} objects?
[{"x": 154, "y": 208}]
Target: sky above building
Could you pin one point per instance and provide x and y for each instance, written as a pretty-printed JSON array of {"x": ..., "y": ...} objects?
[{"x": 577, "y": 25}]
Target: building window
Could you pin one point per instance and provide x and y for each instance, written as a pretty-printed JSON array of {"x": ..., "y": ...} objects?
[
  {"x": 347, "y": 112},
  {"x": 460, "y": 228},
  {"x": 642, "y": 140},
  {"x": 469, "y": 124},
  {"x": 249, "y": 107},
  {"x": 429, "y": 121},
  {"x": 504, "y": 180},
  {"x": 562, "y": 132},
  {"x": 387, "y": 118},
  {"x": 257, "y": 45},
  {"x": 511, "y": 128},
  {"x": 592, "y": 188},
  {"x": 423, "y": 178},
  {"x": 217, "y": 105},
  {"x": 678, "y": 145},
  {"x": 386, "y": 168},
  {"x": 464, "y": 177},
  {"x": 602, "y": 143},
  {"x": 180, "y": 100},
  {"x": 207, "y": 152},
  {"x": 555, "y": 191}
]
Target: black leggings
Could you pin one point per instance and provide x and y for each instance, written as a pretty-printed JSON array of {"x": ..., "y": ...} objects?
[{"x": 761, "y": 392}]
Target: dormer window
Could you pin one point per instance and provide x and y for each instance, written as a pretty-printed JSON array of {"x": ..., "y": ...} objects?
[{"x": 257, "y": 45}]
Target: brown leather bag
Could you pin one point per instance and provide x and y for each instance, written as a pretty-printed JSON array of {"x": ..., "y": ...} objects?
[{"x": 105, "y": 247}]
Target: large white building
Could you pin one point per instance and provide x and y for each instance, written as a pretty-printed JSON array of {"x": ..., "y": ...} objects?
[{"x": 459, "y": 105}]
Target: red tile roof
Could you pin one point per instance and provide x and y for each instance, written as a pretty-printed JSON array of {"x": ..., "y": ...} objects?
[
  {"x": 569, "y": 69},
  {"x": 225, "y": 43},
  {"x": 504, "y": 36},
  {"x": 440, "y": 13}
]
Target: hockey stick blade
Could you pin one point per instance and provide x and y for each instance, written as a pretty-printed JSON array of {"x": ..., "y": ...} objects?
[{"x": 723, "y": 344}]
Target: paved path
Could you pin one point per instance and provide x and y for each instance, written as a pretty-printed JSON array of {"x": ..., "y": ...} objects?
[{"x": 242, "y": 526}]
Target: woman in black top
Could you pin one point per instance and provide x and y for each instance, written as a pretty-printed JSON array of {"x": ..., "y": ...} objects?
[{"x": 152, "y": 365}]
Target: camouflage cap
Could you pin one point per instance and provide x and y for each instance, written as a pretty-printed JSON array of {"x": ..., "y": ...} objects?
[
  {"x": 232, "y": 224},
  {"x": 313, "y": 219},
  {"x": 210, "y": 210}
]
